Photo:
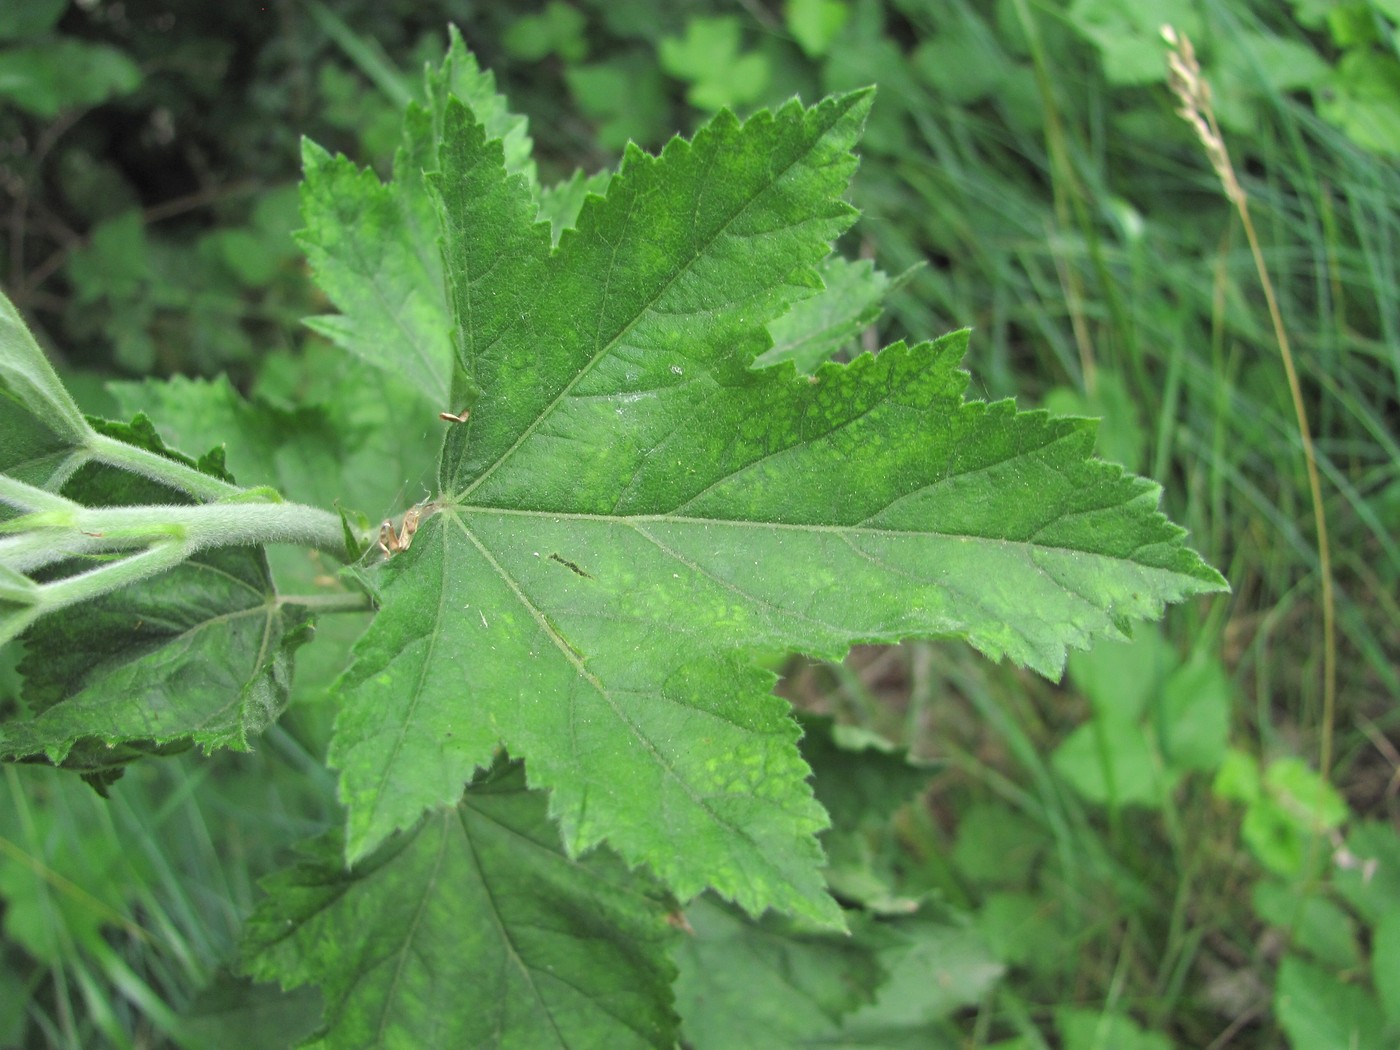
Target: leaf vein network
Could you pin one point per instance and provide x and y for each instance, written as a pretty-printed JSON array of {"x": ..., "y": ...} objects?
[
  {"x": 503, "y": 927},
  {"x": 604, "y": 348},
  {"x": 567, "y": 651}
]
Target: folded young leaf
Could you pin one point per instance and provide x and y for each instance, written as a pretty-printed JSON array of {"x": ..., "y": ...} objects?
[
  {"x": 42, "y": 430},
  {"x": 198, "y": 654},
  {"x": 478, "y": 908},
  {"x": 632, "y": 509}
]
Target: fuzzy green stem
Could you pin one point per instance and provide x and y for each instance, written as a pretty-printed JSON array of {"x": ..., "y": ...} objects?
[
  {"x": 51, "y": 536},
  {"x": 339, "y": 602},
  {"x": 27, "y": 497},
  {"x": 159, "y": 468},
  {"x": 217, "y": 525},
  {"x": 50, "y": 597}
]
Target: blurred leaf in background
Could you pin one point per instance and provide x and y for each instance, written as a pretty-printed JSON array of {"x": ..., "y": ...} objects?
[{"x": 710, "y": 57}]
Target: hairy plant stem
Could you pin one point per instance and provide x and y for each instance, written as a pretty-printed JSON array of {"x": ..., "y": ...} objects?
[
  {"x": 159, "y": 468},
  {"x": 161, "y": 537}
]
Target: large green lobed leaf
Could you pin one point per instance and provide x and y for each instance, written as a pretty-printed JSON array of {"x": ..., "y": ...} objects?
[{"x": 633, "y": 511}]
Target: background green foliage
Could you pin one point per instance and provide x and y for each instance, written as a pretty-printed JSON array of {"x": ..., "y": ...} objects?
[{"x": 1144, "y": 855}]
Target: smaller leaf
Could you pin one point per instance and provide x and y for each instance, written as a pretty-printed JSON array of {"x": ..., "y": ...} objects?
[
  {"x": 558, "y": 29},
  {"x": 1385, "y": 965},
  {"x": 935, "y": 969},
  {"x": 815, "y": 24},
  {"x": 1196, "y": 701},
  {"x": 1025, "y": 929},
  {"x": 19, "y": 21},
  {"x": 477, "y": 907},
  {"x": 364, "y": 446},
  {"x": 861, "y": 779},
  {"x": 1368, "y": 870},
  {"x": 461, "y": 78},
  {"x": 1113, "y": 763},
  {"x": 997, "y": 845},
  {"x": 1238, "y": 777},
  {"x": 1315, "y": 924},
  {"x": 1093, "y": 1030},
  {"x": 816, "y": 328},
  {"x": 1128, "y": 35},
  {"x": 362, "y": 239},
  {"x": 625, "y": 97},
  {"x": 1361, "y": 96},
  {"x": 1319, "y": 1011},
  {"x": 236, "y": 1012},
  {"x": 561, "y": 203},
  {"x": 202, "y": 652},
  {"x": 1293, "y": 805},
  {"x": 1120, "y": 679},
  {"x": 768, "y": 983},
  {"x": 45, "y": 79},
  {"x": 709, "y": 57}
]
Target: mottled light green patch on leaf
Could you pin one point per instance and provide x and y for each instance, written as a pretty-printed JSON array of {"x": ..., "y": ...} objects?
[{"x": 479, "y": 908}]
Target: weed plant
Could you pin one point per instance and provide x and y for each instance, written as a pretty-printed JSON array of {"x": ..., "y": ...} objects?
[{"x": 1147, "y": 848}]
